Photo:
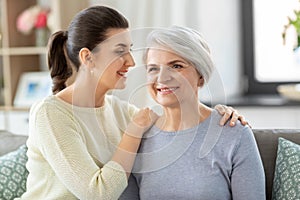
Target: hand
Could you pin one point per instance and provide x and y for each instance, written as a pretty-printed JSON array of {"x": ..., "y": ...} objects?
[
  {"x": 231, "y": 114},
  {"x": 141, "y": 122}
]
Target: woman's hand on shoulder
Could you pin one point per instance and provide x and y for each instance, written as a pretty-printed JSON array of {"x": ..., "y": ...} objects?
[
  {"x": 230, "y": 114},
  {"x": 141, "y": 122}
]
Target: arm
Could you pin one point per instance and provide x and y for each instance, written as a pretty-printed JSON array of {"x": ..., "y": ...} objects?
[
  {"x": 130, "y": 142},
  {"x": 247, "y": 178},
  {"x": 61, "y": 143},
  {"x": 229, "y": 113}
]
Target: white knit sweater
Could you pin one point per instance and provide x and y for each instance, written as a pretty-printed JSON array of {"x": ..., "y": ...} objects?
[{"x": 69, "y": 150}]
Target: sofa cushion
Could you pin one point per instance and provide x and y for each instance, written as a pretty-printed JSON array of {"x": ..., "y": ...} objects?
[
  {"x": 13, "y": 174},
  {"x": 286, "y": 183},
  {"x": 10, "y": 142},
  {"x": 267, "y": 141}
]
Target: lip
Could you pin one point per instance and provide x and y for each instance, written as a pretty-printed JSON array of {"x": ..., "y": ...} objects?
[
  {"x": 166, "y": 90},
  {"x": 122, "y": 73}
]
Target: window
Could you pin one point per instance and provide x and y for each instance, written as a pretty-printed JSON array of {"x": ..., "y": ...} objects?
[{"x": 268, "y": 59}]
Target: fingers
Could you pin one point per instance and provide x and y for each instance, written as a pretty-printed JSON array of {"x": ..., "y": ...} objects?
[
  {"x": 153, "y": 115},
  {"x": 220, "y": 108},
  {"x": 225, "y": 117},
  {"x": 141, "y": 122},
  {"x": 243, "y": 121},
  {"x": 229, "y": 114},
  {"x": 145, "y": 117},
  {"x": 234, "y": 118},
  {"x": 150, "y": 113},
  {"x": 226, "y": 113}
]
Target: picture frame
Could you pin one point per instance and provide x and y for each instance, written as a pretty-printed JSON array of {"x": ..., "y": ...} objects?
[{"x": 32, "y": 86}]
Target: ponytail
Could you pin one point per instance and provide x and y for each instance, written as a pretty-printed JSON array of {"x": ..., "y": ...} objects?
[
  {"x": 57, "y": 61},
  {"x": 88, "y": 29}
]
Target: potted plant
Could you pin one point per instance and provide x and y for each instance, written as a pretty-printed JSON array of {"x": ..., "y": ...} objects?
[{"x": 294, "y": 23}]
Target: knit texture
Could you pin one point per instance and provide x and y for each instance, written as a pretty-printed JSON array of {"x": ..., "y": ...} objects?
[{"x": 69, "y": 150}]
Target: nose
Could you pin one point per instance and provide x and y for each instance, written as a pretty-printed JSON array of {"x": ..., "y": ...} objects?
[
  {"x": 129, "y": 60},
  {"x": 164, "y": 75}
]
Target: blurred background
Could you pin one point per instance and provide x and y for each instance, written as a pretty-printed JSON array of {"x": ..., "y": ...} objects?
[{"x": 254, "y": 44}]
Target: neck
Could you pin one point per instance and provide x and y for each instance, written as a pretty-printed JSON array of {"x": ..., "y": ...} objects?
[
  {"x": 89, "y": 97},
  {"x": 83, "y": 95},
  {"x": 183, "y": 117}
]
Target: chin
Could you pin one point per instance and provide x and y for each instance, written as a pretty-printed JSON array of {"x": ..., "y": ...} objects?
[
  {"x": 167, "y": 103},
  {"x": 120, "y": 85}
]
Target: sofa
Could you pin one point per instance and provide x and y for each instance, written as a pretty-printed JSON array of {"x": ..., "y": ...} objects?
[{"x": 267, "y": 141}]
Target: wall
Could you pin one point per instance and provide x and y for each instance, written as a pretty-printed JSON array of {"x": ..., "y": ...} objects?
[{"x": 218, "y": 21}]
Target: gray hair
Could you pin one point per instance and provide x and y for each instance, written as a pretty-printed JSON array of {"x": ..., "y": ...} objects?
[{"x": 186, "y": 43}]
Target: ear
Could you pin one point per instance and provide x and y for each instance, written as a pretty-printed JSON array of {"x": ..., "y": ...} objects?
[
  {"x": 200, "y": 81},
  {"x": 85, "y": 56}
]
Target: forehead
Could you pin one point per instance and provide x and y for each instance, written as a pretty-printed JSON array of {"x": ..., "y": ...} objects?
[
  {"x": 162, "y": 55},
  {"x": 117, "y": 36}
]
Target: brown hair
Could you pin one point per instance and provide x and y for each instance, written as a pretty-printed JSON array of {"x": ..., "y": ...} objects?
[{"x": 87, "y": 29}]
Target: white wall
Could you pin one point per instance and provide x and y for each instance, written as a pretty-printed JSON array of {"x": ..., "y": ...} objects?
[{"x": 218, "y": 21}]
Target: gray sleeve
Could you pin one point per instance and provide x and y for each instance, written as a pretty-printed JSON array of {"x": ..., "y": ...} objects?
[
  {"x": 132, "y": 190},
  {"x": 247, "y": 178}
]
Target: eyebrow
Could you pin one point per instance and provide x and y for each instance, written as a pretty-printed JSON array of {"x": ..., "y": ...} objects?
[
  {"x": 176, "y": 61},
  {"x": 151, "y": 65},
  {"x": 123, "y": 45},
  {"x": 169, "y": 63}
]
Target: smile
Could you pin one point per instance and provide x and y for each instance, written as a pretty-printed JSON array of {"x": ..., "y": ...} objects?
[
  {"x": 122, "y": 73},
  {"x": 167, "y": 90}
]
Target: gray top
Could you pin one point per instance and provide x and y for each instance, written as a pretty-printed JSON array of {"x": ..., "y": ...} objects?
[{"x": 207, "y": 161}]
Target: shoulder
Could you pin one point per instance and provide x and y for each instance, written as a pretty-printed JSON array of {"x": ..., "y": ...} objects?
[
  {"x": 119, "y": 105},
  {"x": 40, "y": 105},
  {"x": 237, "y": 129},
  {"x": 51, "y": 108},
  {"x": 235, "y": 133},
  {"x": 227, "y": 139},
  {"x": 114, "y": 100},
  {"x": 48, "y": 102}
]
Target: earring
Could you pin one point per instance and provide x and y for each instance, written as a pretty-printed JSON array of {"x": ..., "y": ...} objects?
[{"x": 92, "y": 72}]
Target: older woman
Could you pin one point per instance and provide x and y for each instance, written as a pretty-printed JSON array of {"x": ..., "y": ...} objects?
[{"x": 187, "y": 154}]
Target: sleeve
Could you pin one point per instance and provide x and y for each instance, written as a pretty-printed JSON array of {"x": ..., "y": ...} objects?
[
  {"x": 247, "y": 178},
  {"x": 59, "y": 139},
  {"x": 132, "y": 190},
  {"x": 132, "y": 110}
]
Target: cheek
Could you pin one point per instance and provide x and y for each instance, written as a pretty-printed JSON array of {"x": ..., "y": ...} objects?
[
  {"x": 110, "y": 60},
  {"x": 190, "y": 79},
  {"x": 117, "y": 62},
  {"x": 114, "y": 66},
  {"x": 150, "y": 88}
]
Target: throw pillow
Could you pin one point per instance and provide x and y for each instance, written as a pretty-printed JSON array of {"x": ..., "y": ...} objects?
[
  {"x": 13, "y": 174},
  {"x": 286, "y": 183}
]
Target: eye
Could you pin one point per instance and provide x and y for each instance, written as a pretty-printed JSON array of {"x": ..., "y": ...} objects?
[
  {"x": 152, "y": 69},
  {"x": 176, "y": 66},
  {"x": 120, "y": 51}
]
